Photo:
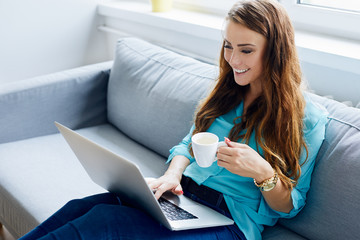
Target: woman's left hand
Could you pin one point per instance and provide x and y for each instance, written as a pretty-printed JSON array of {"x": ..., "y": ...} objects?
[{"x": 242, "y": 160}]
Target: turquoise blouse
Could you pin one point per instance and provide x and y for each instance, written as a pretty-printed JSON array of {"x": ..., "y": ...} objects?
[{"x": 244, "y": 200}]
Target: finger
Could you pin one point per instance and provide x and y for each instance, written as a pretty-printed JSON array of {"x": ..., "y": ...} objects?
[
  {"x": 178, "y": 190},
  {"x": 227, "y": 141},
  {"x": 221, "y": 148},
  {"x": 149, "y": 180},
  {"x": 236, "y": 149},
  {"x": 225, "y": 157},
  {"x": 154, "y": 184},
  {"x": 235, "y": 144},
  {"x": 225, "y": 154},
  {"x": 160, "y": 190},
  {"x": 222, "y": 163}
]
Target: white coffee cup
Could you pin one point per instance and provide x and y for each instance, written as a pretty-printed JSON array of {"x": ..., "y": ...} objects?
[{"x": 205, "y": 145}]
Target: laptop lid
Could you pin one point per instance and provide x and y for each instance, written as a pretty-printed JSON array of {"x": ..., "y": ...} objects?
[{"x": 124, "y": 178}]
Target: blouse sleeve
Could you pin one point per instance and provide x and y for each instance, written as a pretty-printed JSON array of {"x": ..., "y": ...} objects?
[
  {"x": 314, "y": 133},
  {"x": 182, "y": 148}
]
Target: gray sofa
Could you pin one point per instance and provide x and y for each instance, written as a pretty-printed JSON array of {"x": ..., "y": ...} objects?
[{"x": 139, "y": 106}]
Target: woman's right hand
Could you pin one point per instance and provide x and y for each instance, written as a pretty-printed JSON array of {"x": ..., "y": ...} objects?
[{"x": 170, "y": 181}]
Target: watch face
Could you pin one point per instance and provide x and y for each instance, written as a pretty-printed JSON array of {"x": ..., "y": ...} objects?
[{"x": 269, "y": 186}]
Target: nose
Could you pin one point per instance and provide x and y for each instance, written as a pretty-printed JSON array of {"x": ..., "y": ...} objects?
[{"x": 235, "y": 59}]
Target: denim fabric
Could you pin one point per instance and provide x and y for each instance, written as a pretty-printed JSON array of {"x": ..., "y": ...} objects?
[
  {"x": 234, "y": 229},
  {"x": 104, "y": 216}
]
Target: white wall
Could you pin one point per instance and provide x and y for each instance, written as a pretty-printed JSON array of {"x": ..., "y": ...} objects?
[{"x": 43, "y": 36}]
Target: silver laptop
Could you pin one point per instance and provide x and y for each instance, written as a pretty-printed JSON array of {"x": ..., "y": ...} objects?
[{"x": 122, "y": 177}]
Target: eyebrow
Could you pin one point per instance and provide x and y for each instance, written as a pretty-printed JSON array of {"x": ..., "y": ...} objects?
[
  {"x": 241, "y": 44},
  {"x": 245, "y": 44}
]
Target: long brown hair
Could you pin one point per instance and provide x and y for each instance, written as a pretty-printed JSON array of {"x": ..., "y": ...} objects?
[{"x": 276, "y": 116}]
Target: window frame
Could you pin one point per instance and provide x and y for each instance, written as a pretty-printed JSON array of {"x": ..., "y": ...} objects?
[
  {"x": 206, "y": 6},
  {"x": 330, "y": 21}
]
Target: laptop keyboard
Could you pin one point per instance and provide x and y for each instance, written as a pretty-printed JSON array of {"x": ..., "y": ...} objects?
[{"x": 173, "y": 212}]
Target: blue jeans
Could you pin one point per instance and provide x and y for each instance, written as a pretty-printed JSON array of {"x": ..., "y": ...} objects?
[{"x": 104, "y": 216}]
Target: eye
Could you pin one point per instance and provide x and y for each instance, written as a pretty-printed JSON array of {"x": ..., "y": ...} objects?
[
  {"x": 246, "y": 51},
  {"x": 227, "y": 46}
]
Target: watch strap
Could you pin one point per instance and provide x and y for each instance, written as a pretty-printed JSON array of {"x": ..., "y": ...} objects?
[{"x": 269, "y": 183}]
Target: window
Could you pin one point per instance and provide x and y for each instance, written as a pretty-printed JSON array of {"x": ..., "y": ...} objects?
[
  {"x": 346, "y": 5},
  {"x": 339, "y": 18}
]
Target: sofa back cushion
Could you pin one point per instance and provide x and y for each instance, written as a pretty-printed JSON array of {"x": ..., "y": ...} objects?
[
  {"x": 153, "y": 93},
  {"x": 333, "y": 203}
]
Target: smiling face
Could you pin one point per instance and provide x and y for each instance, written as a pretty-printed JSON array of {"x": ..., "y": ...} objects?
[{"x": 244, "y": 51}]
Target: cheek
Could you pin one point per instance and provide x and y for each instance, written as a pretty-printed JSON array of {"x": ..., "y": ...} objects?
[
  {"x": 227, "y": 56},
  {"x": 255, "y": 61}
]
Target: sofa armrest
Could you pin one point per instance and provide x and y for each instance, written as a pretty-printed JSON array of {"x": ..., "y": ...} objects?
[{"x": 76, "y": 98}]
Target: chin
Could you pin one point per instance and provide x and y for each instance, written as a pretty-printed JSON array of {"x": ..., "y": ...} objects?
[{"x": 241, "y": 82}]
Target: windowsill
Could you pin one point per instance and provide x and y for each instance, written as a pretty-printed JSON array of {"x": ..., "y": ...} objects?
[
  {"x": 333, "y": 52},
  {"x": 313, "y": 48},
  {"x": 176, "y": 20}
]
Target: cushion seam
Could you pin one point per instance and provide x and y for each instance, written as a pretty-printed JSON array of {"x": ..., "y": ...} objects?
[
  {"x": 344, "y": 122},
  {"x": 155, "y": 60}
]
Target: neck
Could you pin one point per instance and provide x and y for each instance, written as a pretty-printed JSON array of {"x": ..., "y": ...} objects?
[{"x": 253, "y": 92}]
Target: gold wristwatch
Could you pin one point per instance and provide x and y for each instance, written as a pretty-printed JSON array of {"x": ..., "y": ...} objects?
[{"x": 268, "y": 184}]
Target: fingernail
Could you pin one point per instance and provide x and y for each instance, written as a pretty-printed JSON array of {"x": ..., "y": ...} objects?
[
  {"x": 227, "y": 140},
  {"x": 181, "y": 192}
]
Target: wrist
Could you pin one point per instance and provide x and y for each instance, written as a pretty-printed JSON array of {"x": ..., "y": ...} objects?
[
  {"x": 265, "y": 174},
  {"x": 176, "y": 173},
  {"x": 269, "y": 183}
]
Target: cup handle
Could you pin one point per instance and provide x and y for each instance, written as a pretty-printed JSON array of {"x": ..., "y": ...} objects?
[{"x": 220, "y": 144}]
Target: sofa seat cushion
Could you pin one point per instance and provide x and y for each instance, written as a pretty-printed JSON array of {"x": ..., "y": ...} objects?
[
  {"x": 39, "y": 175},
  {"x": 153, "y": 93},
  {"x": 279, "y": 232}
]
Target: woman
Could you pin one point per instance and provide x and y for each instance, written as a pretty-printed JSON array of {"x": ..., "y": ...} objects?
[{"x": 273, "y": 134}]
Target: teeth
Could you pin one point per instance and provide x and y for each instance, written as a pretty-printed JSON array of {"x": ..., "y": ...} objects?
[{"x": 241, "y": 71}]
